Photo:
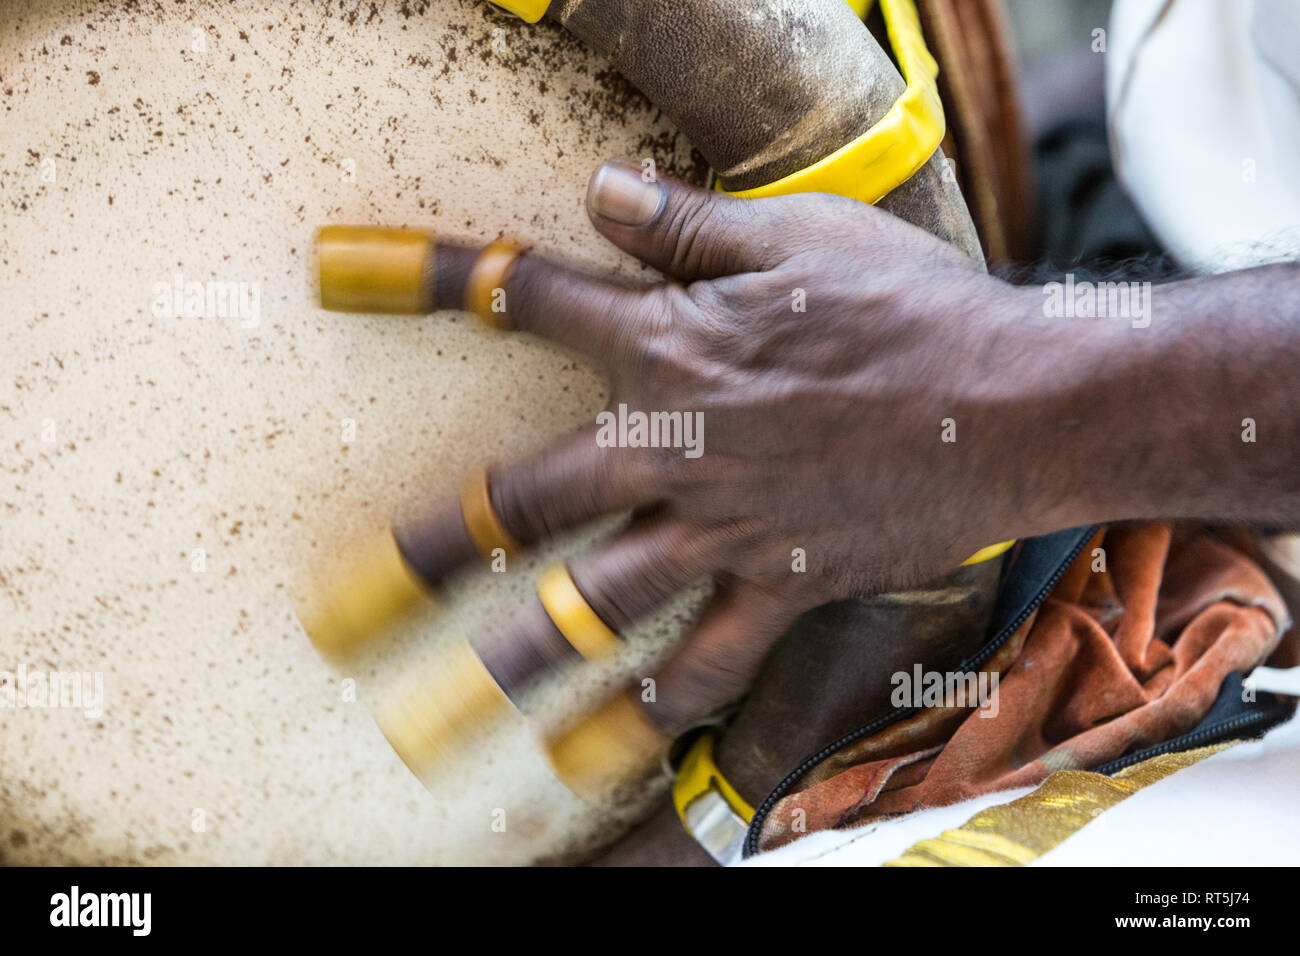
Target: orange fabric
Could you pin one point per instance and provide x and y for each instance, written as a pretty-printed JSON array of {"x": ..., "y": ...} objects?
[{"x": 1113, "y": 661}]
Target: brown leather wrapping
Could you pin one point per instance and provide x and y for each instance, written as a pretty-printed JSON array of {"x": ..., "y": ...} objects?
[
  {"x": 766, "y": 87},
  {"x": 979, "y": 85},
  {"x": 763, "y": 88}
]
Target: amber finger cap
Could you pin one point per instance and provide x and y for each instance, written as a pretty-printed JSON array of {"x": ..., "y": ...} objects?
[{"x": 373, "y": 269}]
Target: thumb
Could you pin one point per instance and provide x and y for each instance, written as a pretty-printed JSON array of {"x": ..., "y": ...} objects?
[{"x": 683, "y": 231}]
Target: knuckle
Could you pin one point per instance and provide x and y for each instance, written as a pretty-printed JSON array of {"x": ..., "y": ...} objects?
[
  {"x": 686, "y": 232},
  {"x": 509, "y": 501},
  {"x": 526, "y": 283},
  {"x": 648, "y": 342},
  {"x": 619, "y": 590},
  {"x": 616, "y": 603},
  {"x": 683, "y": 549},
  {"x": 734, "y": 534},
  {"x": 713, "y": 678}
]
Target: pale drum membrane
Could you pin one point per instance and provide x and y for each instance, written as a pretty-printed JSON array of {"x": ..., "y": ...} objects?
[{"x": 211, "y": 143}]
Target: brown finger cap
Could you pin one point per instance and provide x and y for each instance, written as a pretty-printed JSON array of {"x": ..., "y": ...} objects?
[
  {"x": 373, "y": 269},
  {"x": 614, "y": 746}
]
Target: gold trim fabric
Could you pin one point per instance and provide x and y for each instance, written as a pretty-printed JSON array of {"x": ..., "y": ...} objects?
[{"x": 1019, "y": 832}]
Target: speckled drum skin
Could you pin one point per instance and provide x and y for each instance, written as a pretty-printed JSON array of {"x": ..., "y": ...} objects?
[{"x": 174, "y": 479}]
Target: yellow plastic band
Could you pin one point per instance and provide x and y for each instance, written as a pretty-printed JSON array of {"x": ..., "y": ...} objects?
[
  {"x": 529, "y": 11},
  {"x": 698, "y": 775},
  {"x": 890, "y": 153},
  {"x": 1019, "y": 832},
  {"x": 373, "y": 269},
  {"x": 375, "y": 591},
  {"x": 610, "y": 747},
  {"x": 991, "y": 552},
  {"x": 428, "y": 727},
  {"x": 487, "y": 278},
  {"x": 573, "y": 617},
  {"x": 481, "y": 520}
]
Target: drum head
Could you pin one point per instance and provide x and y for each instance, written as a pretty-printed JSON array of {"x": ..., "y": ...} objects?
[{"x": 189, "y": 441}]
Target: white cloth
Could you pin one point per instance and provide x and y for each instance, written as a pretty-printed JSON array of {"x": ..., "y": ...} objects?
[
  {"x": 1203, "y": 99},
  {"x": 1238, "y": 807},
  {"x": 875, "y": 843}
]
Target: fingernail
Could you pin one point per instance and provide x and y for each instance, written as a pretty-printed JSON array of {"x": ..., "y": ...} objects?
[{"x": 619, "y": 193}]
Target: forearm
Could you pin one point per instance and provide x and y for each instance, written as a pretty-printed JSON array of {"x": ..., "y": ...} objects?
[{"x": 1194, "y": 415}]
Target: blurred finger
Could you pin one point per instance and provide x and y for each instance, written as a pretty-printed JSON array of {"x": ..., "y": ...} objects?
[
  {"x": 625, "y": 740},
  {"x": 368, "y": 269},
  {"x": 496, "y": 512},
  {"x": 719, "y": 657},
  {"x": 582, "y": 608},
  {"x": 566, "y": 484}
]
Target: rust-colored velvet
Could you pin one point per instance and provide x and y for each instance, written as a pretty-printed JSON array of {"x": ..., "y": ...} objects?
[{"x": 1114, "y": 660}]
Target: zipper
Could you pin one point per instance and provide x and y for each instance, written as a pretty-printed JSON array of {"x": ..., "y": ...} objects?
[
  {"x": 1197, "y": 738},
  {"x": 893, "y": 716}
]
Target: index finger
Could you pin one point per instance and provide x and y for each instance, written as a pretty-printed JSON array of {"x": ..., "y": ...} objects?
[{"x": 403, "y": 271}]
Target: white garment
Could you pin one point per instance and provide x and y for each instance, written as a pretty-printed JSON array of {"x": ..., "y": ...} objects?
[
  {"x": 875, "y": 843},
  {"x": 1239, "y": 807},
  {"x": 1203, "y": 99}
]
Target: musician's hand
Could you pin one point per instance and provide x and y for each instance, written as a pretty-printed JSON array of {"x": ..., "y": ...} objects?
[{"x": 837, "y": 387}]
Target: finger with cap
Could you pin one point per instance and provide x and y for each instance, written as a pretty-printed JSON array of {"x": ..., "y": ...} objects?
[
  {"x": 402, "y": 271},
  {"x": 497, "y": 512},
  {"x": 582, "y": 608},
  {"x": 626, "y": 739},
  {"x": 577, "y": 615},
  {"x": 720, "y": 656}
]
